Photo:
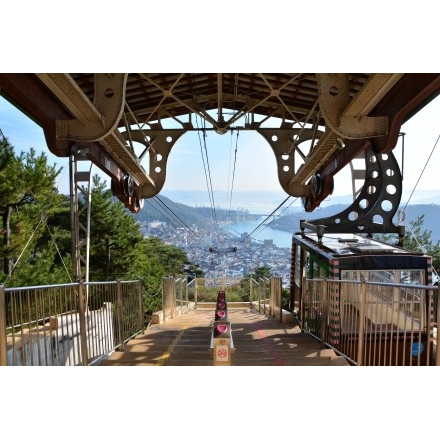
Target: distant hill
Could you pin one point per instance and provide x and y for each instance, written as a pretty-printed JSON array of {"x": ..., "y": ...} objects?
[
  {"x": 261, "y": 202},
  {"x": 431, "y": 212},
  {"x": 265, "y": 202},
  {"x": 162, "y": 208}
]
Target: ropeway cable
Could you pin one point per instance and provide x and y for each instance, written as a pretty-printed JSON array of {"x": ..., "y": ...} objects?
[
  {"x": 409, "y": 198},
  {"x": 43, "y": 219},
  {"x": 418, "y": 180},
  {"x": 233, "y": 172},
  {"x": 25, "y": 247},
  {"x": 175, "y": 216},
  {"x": 267, "y": 218},
  {"x": 207, "y": 174},
  {"x": 419, "y": 245},
  {"x": 180, "y": 221}
]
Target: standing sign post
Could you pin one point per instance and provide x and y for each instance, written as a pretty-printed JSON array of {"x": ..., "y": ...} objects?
[{"x": 221, "y": 341}]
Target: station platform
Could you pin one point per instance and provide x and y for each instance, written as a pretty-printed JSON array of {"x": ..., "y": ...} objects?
[{"x": 258, "y": 340}]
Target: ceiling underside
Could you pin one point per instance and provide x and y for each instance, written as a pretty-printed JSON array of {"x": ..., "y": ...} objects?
[{"x": 126, "y": 124}]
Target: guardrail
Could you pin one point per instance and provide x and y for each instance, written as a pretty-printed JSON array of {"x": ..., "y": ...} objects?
[
  {"x": 179, "y": 295},
  {"x": 68, "y": 324},
  {"x": 373, "y": 323},
  {"x": 204, "y": 290},
  {"x": 246, "y": 290}
]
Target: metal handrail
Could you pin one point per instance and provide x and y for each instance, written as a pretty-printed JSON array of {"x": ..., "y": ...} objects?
[
  {"x": 368, "y": 328},
  {"x": 68, "y": 324}
]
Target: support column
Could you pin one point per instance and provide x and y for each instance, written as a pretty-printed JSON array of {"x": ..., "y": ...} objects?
[{"x": 80, "y": 184}]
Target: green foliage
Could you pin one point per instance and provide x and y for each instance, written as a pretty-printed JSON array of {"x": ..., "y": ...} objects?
[
  {"x": 418, "y": 239},
  {"x": 262, "y": 272},
  {"x": 115, "y": 236},
  {"x": 236, "y": 292},
  {"x": 171, "y": 258},
  {"x": 210, "y": 295},
  {"x": 28, "y": 200},
  {"x": 285, "y": 300}
]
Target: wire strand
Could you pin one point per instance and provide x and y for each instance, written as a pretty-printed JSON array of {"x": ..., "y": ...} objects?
[
  {"x": 264, "y": 221},
  {"x": 207, "y": 172},
  {"x": 418, "y": 180},
  {"x": 233, "y": 174},
  {"x": 176, "y": 217},
  {"x": 58, "y": 251},
  {"x": 25, "y": 247},
  {"x": 418, "y": 243}
]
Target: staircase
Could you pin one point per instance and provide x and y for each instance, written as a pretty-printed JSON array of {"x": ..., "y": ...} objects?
[{"x": 258, "y": 340}]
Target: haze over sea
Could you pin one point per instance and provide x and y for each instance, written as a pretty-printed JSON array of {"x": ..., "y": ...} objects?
[
  {"x": 266, "y": 202},
  {"x": 269, "y": 205},
  {"x": 260, "y": 232}
]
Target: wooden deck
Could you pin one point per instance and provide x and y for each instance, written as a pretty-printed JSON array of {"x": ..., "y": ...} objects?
[{"x": 257, "y": 340}]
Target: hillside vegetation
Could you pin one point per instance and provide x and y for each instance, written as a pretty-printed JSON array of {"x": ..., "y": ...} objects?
[{"x": 163, "y": 209}]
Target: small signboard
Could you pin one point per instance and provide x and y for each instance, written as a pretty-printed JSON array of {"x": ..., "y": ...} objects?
[{"x": 222, "y": 351}]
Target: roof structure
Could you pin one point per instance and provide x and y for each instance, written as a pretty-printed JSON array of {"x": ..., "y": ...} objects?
[{"x": 127, "y": 123}]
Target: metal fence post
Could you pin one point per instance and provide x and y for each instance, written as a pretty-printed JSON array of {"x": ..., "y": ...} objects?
[
  {"x": 250, "y": 289},
  {"x": 181, "y": 295},
  {"x": 264, "y": 294},
  {"x": 120, "y": 322},
  {"x": 437, "y": 354},
  {"x": 173, "y": 296},
  {"x": 302, "y": 293},
  {"x": 3, "y": 350},
  {"x": 280, "y": 296},
  {"x": 259, "y": 296},
  {"x": 360, "y": 350},
  {"x": 268, "y": 293},
  {"x": 82, "y": 323},
  {"x": 169, "y": 297},
  {"x": 271, "y": 297},
  {"x": 141, "y": 306},
  {"x": 195, "y": 292},
  {"x": 324, "y": 311},
  {"x": 275, "y": 296},
  {"x": 163, "y": 301}
]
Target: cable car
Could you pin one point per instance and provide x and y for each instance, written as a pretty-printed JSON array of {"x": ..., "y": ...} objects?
[{"x": 396, "y": 317}]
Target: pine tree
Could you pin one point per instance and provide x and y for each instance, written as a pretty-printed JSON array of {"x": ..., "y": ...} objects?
[
  {"x": 27, "y": 192},
  {"x": 420, "y": 240}
]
